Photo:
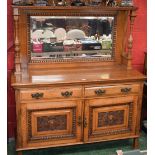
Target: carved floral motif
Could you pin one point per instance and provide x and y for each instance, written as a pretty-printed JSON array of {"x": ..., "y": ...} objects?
[
  {"x": 110, "y": 118},
  {"x": 50, "y": 123}
]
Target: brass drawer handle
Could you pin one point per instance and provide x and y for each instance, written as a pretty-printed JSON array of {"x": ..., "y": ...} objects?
[
  {"x": 99, "y": 92},
  {"x": 125, "y": 90},
  {"x": 85, "y": 122},
  {"x": 37, "y": 95},
  {"x": 79, "y": 121},
  {"x": 67, "y": 93}
]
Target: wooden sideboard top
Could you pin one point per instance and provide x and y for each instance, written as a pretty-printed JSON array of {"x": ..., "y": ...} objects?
[{"x": 107, "y": 74}]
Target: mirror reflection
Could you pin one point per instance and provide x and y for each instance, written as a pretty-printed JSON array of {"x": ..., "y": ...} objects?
[{"x": 68, "y": 37}]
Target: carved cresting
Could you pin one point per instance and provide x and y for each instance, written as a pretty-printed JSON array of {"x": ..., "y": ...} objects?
[
  {"x": 16, "y": 42},
  {"x": 130, "y": 39},
  {"x": 110, "y": 118}
]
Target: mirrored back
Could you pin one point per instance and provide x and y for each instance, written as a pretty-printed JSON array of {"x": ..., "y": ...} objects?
[{"x": 71, "y": 37}]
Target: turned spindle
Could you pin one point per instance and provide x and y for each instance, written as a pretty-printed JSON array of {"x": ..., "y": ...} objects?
[
  {"x": 16, "y": 42},
  {"x": 130, "y": 39}
]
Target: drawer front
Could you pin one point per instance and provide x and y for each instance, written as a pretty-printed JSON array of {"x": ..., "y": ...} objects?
[
  {"x": 111, "y": 89},
  {"x": 50, "y": 93}
]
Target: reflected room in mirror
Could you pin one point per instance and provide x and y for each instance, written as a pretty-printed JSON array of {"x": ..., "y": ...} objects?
[{"x": 71, "y": 37}]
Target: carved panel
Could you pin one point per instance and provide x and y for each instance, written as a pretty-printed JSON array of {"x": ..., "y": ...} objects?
[
  {"x": 106, "y": 116},
  {"x": 47, "y": 123},
  {"x": 47, "y": 120},
  {"x": 110, "y": 118}
]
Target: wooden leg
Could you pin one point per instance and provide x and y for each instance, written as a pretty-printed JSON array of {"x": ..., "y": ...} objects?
[
  {"x": 135, "y": 143},
  {"x": 19, "y": 153}
]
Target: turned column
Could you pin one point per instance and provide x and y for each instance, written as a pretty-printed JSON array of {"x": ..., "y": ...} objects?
[
  {"x": 130, "y": 40},
  {"x": 16, "y": 42}
]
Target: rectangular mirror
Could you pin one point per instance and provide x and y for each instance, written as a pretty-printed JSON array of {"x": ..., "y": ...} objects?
[{"x": 71, "y": 37}]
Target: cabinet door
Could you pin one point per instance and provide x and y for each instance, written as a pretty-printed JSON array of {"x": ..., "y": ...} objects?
[
  {"x": 110, "y": 118},
  {"x": 51, "y": 123}
]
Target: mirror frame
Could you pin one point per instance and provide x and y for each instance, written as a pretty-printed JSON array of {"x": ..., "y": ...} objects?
[{"x": 63, "y": 13}]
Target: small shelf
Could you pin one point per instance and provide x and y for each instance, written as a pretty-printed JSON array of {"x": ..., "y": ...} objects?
[{"x": 123, "y": 8}]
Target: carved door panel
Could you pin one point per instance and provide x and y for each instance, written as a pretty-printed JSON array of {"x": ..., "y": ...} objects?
[
  {"x": 51, "y": 123},
  {"x": 110, "y": 118}
]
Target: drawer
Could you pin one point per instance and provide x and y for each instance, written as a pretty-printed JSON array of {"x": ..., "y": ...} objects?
[
  {"x": 111, "y": 89},
  {"x": 50, "y": 93}
]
